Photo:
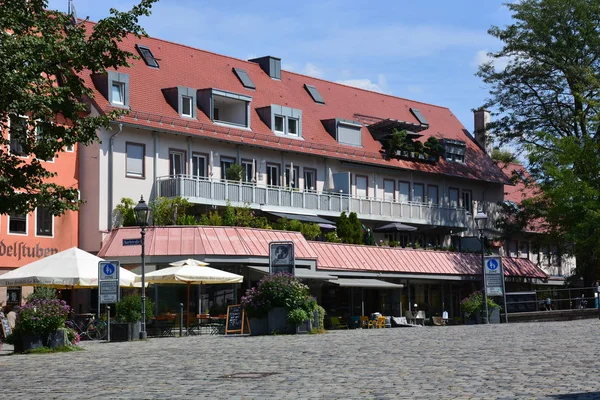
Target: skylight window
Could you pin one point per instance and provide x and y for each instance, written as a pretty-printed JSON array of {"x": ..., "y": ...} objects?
[
  {"x": 419, "y": 116},
  {"x": 314, "y": 93},
  {"x": 147, "y": 56},
  {"x": 244, "y": 78}
]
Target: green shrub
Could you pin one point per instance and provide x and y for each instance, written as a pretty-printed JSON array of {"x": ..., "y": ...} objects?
[
  {"x": 123, "y": 214},
  {"x": 279, "y": 290},
  {"x": 235, "y": 172},
  {"x": 129, "y": 309},
  {"x": 473, "y": 305},
  {"x": 187, "y": 220}
]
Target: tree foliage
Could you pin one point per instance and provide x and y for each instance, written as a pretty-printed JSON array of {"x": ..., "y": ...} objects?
[
  {"x": 43, "y": 56},
  {"x": 546, "y": 103}
]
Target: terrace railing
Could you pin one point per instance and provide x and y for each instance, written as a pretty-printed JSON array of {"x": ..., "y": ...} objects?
[{"x": 201, "y": 190}]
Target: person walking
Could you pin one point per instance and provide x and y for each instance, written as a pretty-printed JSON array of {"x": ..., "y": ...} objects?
[{"x": 548, "y": 304}]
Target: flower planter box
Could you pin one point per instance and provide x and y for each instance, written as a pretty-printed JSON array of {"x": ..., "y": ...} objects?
[
  {"x": 57, "y": 339},
  {"x": 259, "y": 326},
  {"x": 125, "y": 331},
  {"x": 278, "y": 321},
  {"x": 29, "y": 342},
  {"x": 304, "y": 327}
]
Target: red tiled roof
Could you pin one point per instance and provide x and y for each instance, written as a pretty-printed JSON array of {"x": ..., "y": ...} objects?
[
  {"x": 186, "y": 66},
  {"x": 335, "y": 256},
  {"x": 202, "y": 240},
  {"x": 521, "y": 191}
]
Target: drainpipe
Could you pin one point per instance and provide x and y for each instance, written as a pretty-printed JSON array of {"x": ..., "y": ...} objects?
[
  {"x": 110, "y": 176},
  {"x": 155, "y": 165}
]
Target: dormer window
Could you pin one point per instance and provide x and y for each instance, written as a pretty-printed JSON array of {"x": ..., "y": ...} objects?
[
  {"x": 345, "y": 131},
  {"x": 283, "y": 121},
  {"x": 118, "y": 93},
  {"x": 454, "y": 150},
  {"x": 224, "y": 107},
  {"x": 186, "y": 106},
  {"x": 114, "y": 86},
  {"x": 182, "y": 99}
]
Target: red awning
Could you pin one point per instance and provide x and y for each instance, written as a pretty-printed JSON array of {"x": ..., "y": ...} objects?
[{"x": 344, "y": 257}]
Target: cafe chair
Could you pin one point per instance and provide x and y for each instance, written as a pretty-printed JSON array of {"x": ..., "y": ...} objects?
[
  {"x": 336, "y": 323},
  {"x": 410, "y": 317},
  {"x": 364, "y": 321},
  {"x": 420, "y": 318}
]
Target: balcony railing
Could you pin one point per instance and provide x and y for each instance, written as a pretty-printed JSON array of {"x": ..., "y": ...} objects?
[{"x": 276, "y": 198}]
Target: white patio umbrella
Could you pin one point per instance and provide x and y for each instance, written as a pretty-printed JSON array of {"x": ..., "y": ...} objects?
[
  {"x": 189, "y": 272},
  {"x": 72, "y": 268}
]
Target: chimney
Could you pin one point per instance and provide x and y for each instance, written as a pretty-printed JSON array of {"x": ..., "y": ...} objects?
[
  {"x": 482, "y": 119},
  {"x": 271, "y": 65}
]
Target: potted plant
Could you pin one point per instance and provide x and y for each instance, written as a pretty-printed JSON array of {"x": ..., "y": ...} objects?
[
  {"x": 129, "y": 314},
  {"x": 279, "y": 303},
  {"x": 472, "y": 307},
  {"x": 40, "y": 323}
]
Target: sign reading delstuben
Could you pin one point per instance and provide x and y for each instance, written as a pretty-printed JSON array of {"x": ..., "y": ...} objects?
[{"x": 494, "y": 276}]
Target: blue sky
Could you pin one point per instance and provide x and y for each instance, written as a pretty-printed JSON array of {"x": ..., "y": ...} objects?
[{"x": 424, "y": 50}]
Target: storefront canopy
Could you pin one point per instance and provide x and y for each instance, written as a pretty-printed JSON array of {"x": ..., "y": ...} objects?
[
  {"x": 302, "y": 217},
  {"x": 365, "y": 283},
  {"x": 302, "y": 273}
]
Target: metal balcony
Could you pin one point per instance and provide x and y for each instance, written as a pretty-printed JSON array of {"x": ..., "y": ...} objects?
[{"x": 281, "y": 199}]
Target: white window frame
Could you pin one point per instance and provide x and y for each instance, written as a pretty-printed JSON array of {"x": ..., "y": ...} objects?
[
  {"x": 297, "y": 121},
  {"x": 282, "y": 131},
  {"x": 308, "y": 172},
  {"x": 277, "y": 177},
  {"x": 202, "y": 160},
  {"x": 190, "y": 101},
  {"x": 26, "y": 216},
  {"x": 247, "y": 165},
  {"x": 134, "y": 174},
  {"x": 181, "y": 153},
  {"x": 36, "y": 225},
  {"x": 121, "y": 91},
  {"x": 37, "y": 136}
]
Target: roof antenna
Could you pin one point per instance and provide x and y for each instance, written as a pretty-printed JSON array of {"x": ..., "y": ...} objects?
[{"x": 73, "y": 13}]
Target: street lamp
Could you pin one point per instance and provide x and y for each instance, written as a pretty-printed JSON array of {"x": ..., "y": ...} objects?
[
  {"x": 480, "y": 219},
  {"x": 142, "y": 212}
]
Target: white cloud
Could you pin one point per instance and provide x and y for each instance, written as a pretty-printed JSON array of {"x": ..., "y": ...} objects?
[
  {"x": 482, "y": 57},
  {"x": 311, "y": 69},
  {"x": 414, "y": 89},
  {"x": 380, "y": 86}
]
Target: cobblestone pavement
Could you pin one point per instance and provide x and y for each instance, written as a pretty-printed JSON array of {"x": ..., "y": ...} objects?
[{"x": 529, "y": 360}]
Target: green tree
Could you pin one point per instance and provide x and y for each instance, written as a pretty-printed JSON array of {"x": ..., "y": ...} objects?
[
  {"x": 42, "y": 63},
  {"x": 167, "y": 211},
  {"x": 124, "y": 214},
  {"x": 343, "y": 227},
  {"x": 229, "y": 215},
  {"x": 503, "y": 156},
  {"x": 235, "y": 172},
  {"x": 547, "y": 102},
  {"x": 356, "y": 229}
]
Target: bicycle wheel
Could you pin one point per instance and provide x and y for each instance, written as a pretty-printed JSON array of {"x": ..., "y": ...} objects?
[{"x": 97, "y": 330}]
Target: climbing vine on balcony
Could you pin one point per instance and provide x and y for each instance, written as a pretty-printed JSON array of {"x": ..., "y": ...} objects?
[{"x": 400, "y": 145}]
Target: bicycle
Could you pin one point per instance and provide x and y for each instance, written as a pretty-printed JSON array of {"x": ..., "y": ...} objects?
[{"x": 89, "y": 327}]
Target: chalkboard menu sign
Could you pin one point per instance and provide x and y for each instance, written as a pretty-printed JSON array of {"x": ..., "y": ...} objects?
[
  {"x": 235, "y": 319},
  {"x": 5, "y": 329}
]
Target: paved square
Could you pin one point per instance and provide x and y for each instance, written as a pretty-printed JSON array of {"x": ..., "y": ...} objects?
[{"x": 528, "y": 360}]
